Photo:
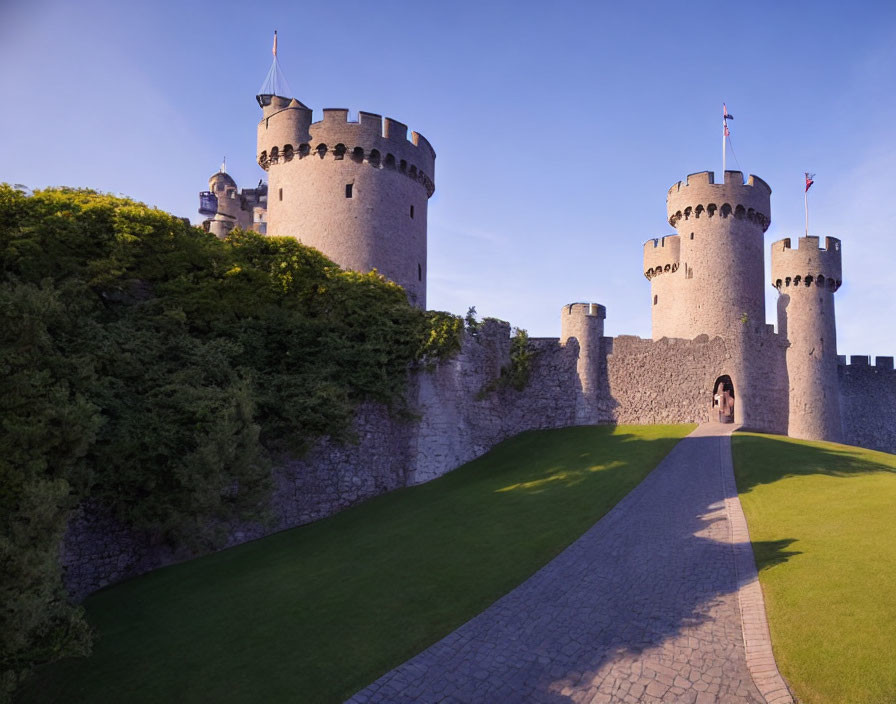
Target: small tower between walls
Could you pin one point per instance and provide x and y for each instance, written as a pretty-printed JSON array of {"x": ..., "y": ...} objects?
[
  {"x": 806, "y": 279},
  {"x": 585, "y": 322}
]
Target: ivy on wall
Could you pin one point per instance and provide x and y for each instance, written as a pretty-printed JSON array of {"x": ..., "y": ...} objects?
[{"x": 159, "y": 371}]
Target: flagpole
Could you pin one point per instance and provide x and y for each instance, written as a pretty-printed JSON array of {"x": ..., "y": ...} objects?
[
  {"x": 724, "y": 129},
  {"x": 806, "y": 200},
  {"x": 723, "y": 149}
]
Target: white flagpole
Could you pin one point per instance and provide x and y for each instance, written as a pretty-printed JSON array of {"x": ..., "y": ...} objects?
[
  {"x": 724, "y": 128},
  {"x": 806, "y": 201}
]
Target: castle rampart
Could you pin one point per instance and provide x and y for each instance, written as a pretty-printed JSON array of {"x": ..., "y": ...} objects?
[{"x": 868, "y": 402}]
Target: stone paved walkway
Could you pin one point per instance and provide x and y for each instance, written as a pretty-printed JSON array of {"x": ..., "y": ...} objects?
[{"x": 642, "y": 608}]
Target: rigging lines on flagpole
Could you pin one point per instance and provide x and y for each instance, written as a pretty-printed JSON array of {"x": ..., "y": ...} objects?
[{"x": 726, "y": 140}]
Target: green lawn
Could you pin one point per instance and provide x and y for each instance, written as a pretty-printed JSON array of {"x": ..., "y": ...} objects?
[
  {"x": 315, "y": 613},
  {"x": 831, "y": 594}
]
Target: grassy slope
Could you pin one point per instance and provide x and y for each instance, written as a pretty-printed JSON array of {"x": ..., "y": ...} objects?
[
  {"x": 828, "y": 514},
  {"x": 317, "y": 612}
]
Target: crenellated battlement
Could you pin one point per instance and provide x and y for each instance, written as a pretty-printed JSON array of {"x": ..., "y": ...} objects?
[
  {"x": 661, "y": 255},
  {"x": 286, "y": 133},
  {"x": 591, "y": 310},
  {"x": 699, "y": 196},
  {"x": 808, "y": 264},
  {"x": 864, "y": 360}
]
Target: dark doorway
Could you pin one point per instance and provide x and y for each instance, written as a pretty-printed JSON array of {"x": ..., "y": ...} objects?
[{"x": 723, "y": 399}]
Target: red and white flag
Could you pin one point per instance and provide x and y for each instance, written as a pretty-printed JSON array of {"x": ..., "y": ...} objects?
[
  {"x": 810, "y": 179},
  {"x": 275, "y": 44}
]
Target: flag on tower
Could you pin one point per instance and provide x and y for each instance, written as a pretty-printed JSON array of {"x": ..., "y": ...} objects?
[
  {"x": 275, "y": 44},
  {"x": 810, "y": 179},
  {"x": 725, "y": 118}
]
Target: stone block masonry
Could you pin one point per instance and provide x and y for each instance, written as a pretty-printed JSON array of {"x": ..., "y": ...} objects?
[
  {"x": 454, "y": 419},
  {"x": 868, "y": 403}
]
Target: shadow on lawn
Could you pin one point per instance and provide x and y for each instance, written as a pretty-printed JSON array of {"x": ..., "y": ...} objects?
[
  {"x": 764, "y": 459},
  {"x": 651, "y": 581},
  {"x": 769, "y": 553}
]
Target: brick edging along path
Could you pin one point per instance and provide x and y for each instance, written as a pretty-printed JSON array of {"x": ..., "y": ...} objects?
[
  {"x": 646, "y": 606},
  {"x": 757, "y": 639}
]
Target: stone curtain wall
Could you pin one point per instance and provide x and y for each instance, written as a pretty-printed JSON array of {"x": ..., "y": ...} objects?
[
  {"x": 671, "y": 380},
  {"x": 868, "y": 402},
  {"x": 666, "y": 381},
  {"x": 454, "y": 419}
]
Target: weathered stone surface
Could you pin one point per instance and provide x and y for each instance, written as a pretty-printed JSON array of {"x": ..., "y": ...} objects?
[{"x": 868, "y": 403}]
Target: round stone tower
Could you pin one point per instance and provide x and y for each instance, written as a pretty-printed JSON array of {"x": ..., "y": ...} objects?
[
  {"x": 585, "y": 322},
  {"x": 708, "y": 278},
  {"x": 357, "y": 191},
  {"x": 229, "y": 212},
  {"x": 806, "y": 279}
]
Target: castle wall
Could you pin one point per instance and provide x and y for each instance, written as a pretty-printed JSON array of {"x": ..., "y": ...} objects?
[
  {"x": 868, "y": 402},
  {"x": 459, "y": 413},
  {"x": 672, "y": 380},
  {"x": 455, "y": 418}
]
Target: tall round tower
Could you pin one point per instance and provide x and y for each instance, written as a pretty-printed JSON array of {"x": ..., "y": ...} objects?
[
  {"x": 585, "y": 322},
  {"x": 806, "y": 279},
  {"x": 707, "y": 279},
  {"x": 357, "y": 191}
]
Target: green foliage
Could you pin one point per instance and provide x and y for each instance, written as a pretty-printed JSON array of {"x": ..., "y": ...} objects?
[
  {"x": 158, "y": 370},
  {"x": 47, "y": 427},
  {"x": 514, "y": 375}
]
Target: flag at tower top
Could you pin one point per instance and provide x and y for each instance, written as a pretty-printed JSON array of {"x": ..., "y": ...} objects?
[
  {"x": 274, "y": 51},
  {"x": 810, "y": 179}
]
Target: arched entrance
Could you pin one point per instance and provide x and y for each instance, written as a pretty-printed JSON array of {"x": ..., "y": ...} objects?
[{"x": 723, "y": 399}]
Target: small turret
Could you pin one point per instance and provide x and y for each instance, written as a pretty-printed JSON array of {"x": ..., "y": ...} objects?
[
  {"x": 806, "y": 279},
  {"x": 585, "y": 323}
]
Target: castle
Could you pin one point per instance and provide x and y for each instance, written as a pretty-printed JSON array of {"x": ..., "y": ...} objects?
[{"x": 358, "y": 192}]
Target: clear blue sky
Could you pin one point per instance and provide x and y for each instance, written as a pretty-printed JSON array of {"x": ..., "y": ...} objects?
[{"x": 558, "y": 126}]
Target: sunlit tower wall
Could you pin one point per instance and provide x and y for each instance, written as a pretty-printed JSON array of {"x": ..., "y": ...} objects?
[
  {"x": 806, "y": 279},
  {"x": 716, "y": 284},
  {"x": 585, "y": 323},
  {"x": 357, "y": 191},
  {"x": 662, "y": 260},
  {"x": 229, "y": 213}
]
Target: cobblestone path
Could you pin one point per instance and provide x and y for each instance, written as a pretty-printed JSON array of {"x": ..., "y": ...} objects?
[{"x": 642, "y": 608}]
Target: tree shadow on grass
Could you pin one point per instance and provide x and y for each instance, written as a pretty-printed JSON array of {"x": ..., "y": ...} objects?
[
  {"x": 764, "y": 459},
  {"x": 769, "y": 553},
  {"x": 649, "y": 588}
]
